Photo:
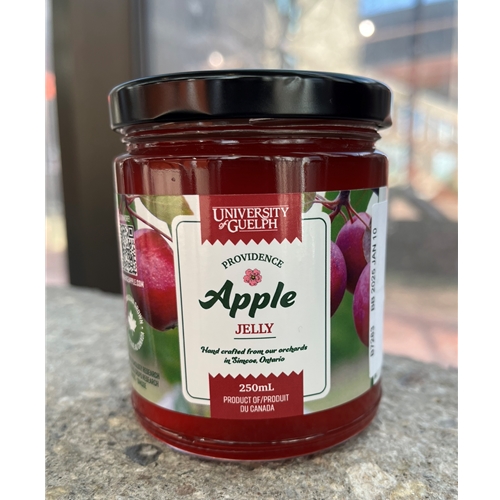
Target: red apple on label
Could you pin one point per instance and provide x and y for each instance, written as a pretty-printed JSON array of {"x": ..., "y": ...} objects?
[
  {"x": 361, "y": 305},
  {"x": 338, "y": 278},
  {"x": 350, "y": 240},
  {"x": 155, "y": 268}
]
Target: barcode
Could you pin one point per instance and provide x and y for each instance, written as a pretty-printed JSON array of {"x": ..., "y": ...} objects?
[{"x": 129, "y": 262}]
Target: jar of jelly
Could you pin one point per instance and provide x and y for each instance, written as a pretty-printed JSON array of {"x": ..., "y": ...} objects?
[{"x": 252, "y": 215}]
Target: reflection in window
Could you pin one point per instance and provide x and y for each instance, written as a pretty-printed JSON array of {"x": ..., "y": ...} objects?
[
  {"x": 190, "y": 35},
  {"x": 419, "y": 123},
  {"x": 444, "y": 165},
  {"x": 374, "y": 7}
]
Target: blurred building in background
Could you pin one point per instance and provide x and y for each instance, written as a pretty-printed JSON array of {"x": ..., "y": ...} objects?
[
  {"x": 413, "y": 44},
  {"x": 409, "y": 44}
]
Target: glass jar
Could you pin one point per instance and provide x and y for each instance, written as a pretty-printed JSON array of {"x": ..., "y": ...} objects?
[{"x": 252, "y": 215}]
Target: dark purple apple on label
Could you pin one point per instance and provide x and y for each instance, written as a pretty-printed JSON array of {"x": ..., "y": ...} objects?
[
  {"x": 350, "y": 241},
  {"x": 361, "y": 305},
  {"x": 338, "y": 278},
  {"x": 155, "y": 268}
]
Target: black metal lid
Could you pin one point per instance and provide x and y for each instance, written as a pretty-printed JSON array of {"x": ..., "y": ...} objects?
[{"x": 208, "y": 95}]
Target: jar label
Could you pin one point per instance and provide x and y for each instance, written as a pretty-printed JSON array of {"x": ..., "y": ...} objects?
[{"x": 254, "y": 306}]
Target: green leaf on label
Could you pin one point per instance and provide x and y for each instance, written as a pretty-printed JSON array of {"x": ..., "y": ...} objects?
[
  {"x": 166, "y": 208},
  {"x": 168, "y": 354},
  {"x": 360, "y": 199},
  {"x": 345, "y": 342},
  {"x": 307, "y": 201},
  {"x": 122, "y": 205}
]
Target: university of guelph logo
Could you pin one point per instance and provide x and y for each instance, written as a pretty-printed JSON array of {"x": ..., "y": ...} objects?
[{"x": 263, "y": 217}]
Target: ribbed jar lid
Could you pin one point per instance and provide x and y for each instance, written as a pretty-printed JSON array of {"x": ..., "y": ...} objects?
[{"x": 212, "y": 95}]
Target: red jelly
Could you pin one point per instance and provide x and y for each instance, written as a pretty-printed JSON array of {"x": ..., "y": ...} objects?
[{"x": 252, "y": 216}]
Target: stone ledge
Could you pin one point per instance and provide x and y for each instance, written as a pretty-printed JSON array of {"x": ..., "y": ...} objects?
[{"x": 96, "y": 449}]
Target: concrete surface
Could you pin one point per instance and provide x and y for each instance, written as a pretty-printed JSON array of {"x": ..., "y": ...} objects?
[{"x": 96, "y": 449}]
